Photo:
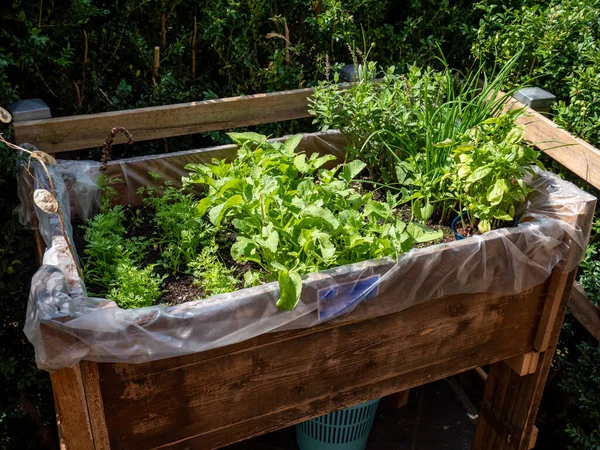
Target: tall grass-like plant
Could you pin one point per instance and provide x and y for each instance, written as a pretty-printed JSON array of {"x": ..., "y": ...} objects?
[{"x": 408, "y": 125}]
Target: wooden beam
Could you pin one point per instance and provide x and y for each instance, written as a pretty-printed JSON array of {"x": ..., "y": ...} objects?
[
  {"x": 510, "y": 402},
  {"x": 90, "y": 130},
  {"x": 74, "y": 427},
  {"x": 552, "y": 306},
  {"x": 584, "y": 311},
  {"x": 524, "y": 364},
  {"x": 575, "y": 154},
  {"x": 395, "y": 401}
]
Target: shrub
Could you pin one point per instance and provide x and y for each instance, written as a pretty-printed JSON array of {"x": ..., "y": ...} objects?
[{"x": 560, "y": 43}]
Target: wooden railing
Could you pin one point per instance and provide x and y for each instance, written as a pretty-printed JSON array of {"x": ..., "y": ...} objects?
[{"x": 90, "y": 130}]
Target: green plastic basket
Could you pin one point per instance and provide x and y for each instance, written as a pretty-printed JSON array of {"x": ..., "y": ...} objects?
[{"x": 347, "y": 429}]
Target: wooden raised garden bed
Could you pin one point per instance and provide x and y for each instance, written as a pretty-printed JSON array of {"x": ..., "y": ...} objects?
[{"x": 218, "y": 396}]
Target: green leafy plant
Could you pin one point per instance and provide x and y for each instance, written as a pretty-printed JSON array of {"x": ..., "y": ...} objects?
[
  {"x": 292, "y": 216},
  {"x": 111, "y": 260},
  {"x": 489, "y": 170},
  {"x": 182, "y": 234},
  {"x": 559, "y": 43},
  {"x": 211, "y": 274}
]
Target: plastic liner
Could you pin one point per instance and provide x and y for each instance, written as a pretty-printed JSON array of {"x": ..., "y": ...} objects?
[{"x": 66, "y": 326}]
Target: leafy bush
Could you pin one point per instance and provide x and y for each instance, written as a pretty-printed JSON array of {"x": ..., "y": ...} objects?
[
  {"x": 408, "y": 126},
  {"x": 489, "y": 170},
  {"x": 560, "y": 41},
  {"x": 292, "y": 217},
  {"x": 112, "y": 260}
]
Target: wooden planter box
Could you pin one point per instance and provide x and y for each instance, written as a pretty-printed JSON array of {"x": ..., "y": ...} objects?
[{"x": 219, "y": 396}]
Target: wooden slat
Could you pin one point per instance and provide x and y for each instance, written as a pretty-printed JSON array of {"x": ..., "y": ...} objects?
[
  {"x": 524, "y": 364},
  {"x": 584, "y": 311},
  {"x": 575, "y": 154},
  {"x": 510, "y": 401},
  {"x": 71, "y": 410},
  {"x": 90, "y": 130},
  {"x": 265, "y": 384},
  {"x": 558, "y": 283},
  {"x": 395, "y": 401},
  {"x": 91, "y": 382}
]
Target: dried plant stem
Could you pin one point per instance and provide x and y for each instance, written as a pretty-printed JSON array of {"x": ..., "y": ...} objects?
[
  {"x": 195, "y": 36},
  {"x": 156, "y": 64},
  {"x": 108, "y": 143},
  {"x": 41, "y": 158}
]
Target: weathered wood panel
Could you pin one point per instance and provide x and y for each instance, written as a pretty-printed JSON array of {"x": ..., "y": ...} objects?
[
  {"x": 90, "y": 130},
  {"x": 575, "y": 154},
  {"x": 219, "y": 397},
  {"x": 510, "y": 401},
  {"x": 72, "y": 416},
  {"x": 584, "y": 311}
]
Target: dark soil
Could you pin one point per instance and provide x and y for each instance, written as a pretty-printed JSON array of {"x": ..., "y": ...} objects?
[
  {"x": 468, "y": 230},
  {"x": 181, "y": 290}
]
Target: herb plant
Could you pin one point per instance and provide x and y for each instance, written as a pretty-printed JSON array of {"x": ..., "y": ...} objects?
[
  {"x": 292, "y": 216},
  {"x": 489, "y": 170}
]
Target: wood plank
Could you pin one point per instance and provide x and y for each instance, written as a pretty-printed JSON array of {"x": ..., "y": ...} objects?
[
  {"x": 241, "y": 392},
  {"x": 584, "y": 311},
  {"x": 575, "y": 154},
  {"x": 510, "y": 401},
  {"x": 552, "y": 307},
  {"x": 395, "y": 401},
  {"x": 73, "y": 421},
  {"x": 95, "y": 406},
  {"x": 524, "y": 364},
  {"x": 90, "y": 130}
]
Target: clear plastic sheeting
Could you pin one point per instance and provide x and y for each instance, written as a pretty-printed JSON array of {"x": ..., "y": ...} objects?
[{"x": 66, "y": 326}]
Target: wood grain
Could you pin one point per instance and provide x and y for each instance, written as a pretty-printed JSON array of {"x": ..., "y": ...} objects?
[
  {"x": 510, "y": 401},
  {"x": 524, "y": 364},
  {"x": 91, "y": 383},
  {"x": 73, "y": 421},
  {"x": 552, "y": 308},
  {"x": 584, "y": 311},
  {"x": 90, "y": 130},
  {"x": 249, "y": 389},
  {"x": 575, "y": 154}
]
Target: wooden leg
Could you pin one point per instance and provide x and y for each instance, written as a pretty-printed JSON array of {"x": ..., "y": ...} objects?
[
  {"x": 395, "y": 401},
  {"x": 510, "y": 402},
  {"x": 72, "y": 417}
]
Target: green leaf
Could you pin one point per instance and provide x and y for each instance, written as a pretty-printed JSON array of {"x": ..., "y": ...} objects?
[
  {"x": 300, "y": 163},
  {"x": 271, "y": 242},
  {"x": 515, "y": 135},
  {"x": 423, "y": 234},
  {"x": 217, "y": 213},
  {"x": 352, "y": 169},
  {"x": 290, "y": 288},
  {"x": 479, "y": 173},
  {"x": 244, "y": 249},
  {"x": 292, "y": 143},
  {"x": 445, "y": 143},
  {"x": 240, "y": 138},
  {"x": 484, "y": 226},
  {"x": 426, "y": 211},
  {"x": 496, "y": 192},
  {"x": 203, "y": 206},
  {"x": 322, "y": 213},
  {"x": 379, "y": 209}
]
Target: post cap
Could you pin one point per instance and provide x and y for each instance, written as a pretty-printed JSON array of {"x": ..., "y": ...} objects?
[
  {"x": 30, "y": 109},
  {"x": 535, "y": 97},
  {"x": 347, "y": 72}
]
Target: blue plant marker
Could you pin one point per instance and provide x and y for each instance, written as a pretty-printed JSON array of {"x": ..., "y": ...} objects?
[
  {"x": 453, "y": 226},
  {"x": 336, "y": 300}
]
